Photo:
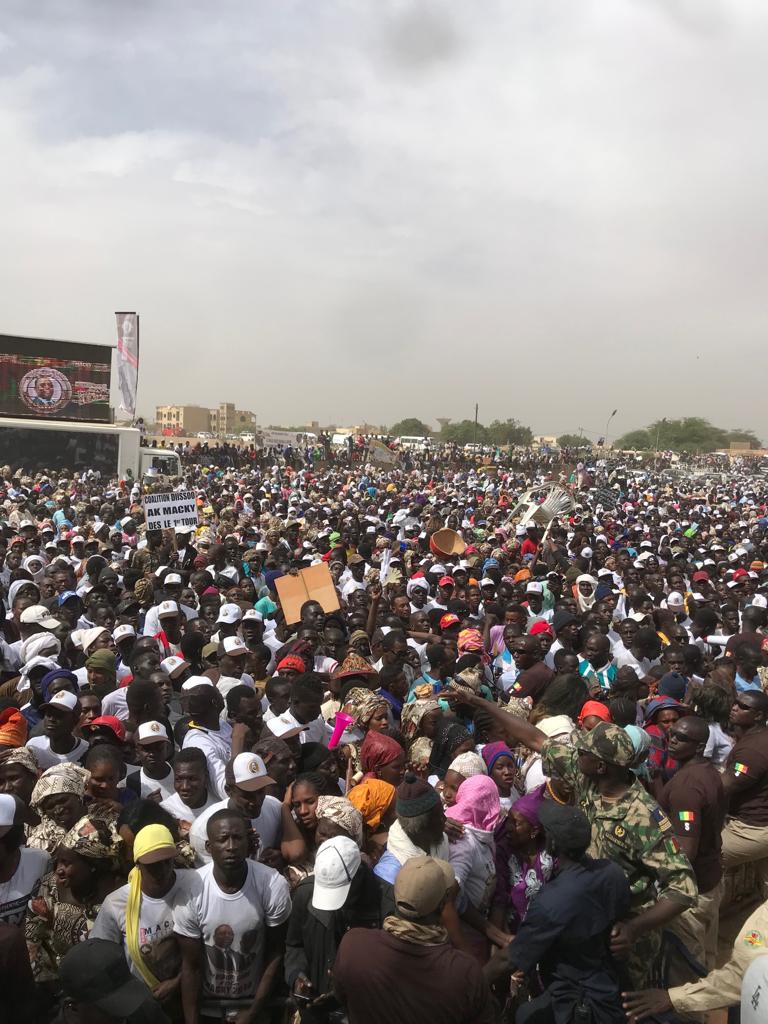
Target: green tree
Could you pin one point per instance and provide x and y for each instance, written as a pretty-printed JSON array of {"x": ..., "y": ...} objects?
[
  {"x": 692, "y": 433},
  {"x": 635, "y": 439},
  {"x": 572, "y": 441},
  {"x": 509, "y": 432},
  {"x": 463, "y": 432},
  {"x": 410, "y": 427}
]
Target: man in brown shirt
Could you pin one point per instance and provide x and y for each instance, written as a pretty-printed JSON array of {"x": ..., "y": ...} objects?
[
  {"x": 745, "y": 779},
  {"x": 694, "y": 800},
  {"x": 534, "y": 676}
]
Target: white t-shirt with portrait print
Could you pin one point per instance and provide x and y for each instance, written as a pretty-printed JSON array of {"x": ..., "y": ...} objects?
[
  {"x": 233, "y": 928},
  {"x": 23, "y": 885}
]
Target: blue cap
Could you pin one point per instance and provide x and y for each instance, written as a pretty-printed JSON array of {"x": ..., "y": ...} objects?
[{"x": 66, "y": 596}]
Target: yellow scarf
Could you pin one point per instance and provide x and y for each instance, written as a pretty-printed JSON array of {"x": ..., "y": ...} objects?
[{"x": 132, "y": 912}]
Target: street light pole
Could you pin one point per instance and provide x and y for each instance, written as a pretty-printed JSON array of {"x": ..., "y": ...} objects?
[{"x": 607, "y": 424}]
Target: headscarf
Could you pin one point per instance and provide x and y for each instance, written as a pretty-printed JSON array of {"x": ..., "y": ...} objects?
[
  {"x": 594, "y": 709},
  {"x": 493, "y": 751},
  {"x": 354, "y": 665},
  {"x": 470, "y": 640},
  {"x": 528, "y": 806},
  {"x": 342, "y": 813},
  {"x": 641, "y": 741},
  {"x": 377, "y": 751},
  {"x": 657, "y": 704},
  {"x": 363, "y": 705},
  {"x": 23, "y": 756},
  {"x": 371, "y": 798},
  {"x": 33, "y": 663},
  {"x": 104, "y": 661},
  {"x": 61, "y": 778},
  {"x": 133, "y": 906},
  {"x": 585, "y": 603},
  {"x": 143, "y": 591},
  {"x": 16, "y": 586},
  {"x": 412, "y": 714},
  {"x": 13, "y": 728},
  {"x": 50, "y": 677},
  {"x": 469, "y": 680},
  {"x": 39, "y": 645},
  {"x": 37, "y": 574},
  {"x": 477, "y": 804},
  {"x": 468, "y": 764},
  {"x": 449, "y": 735},
  {"x": 93, "y": 838}
]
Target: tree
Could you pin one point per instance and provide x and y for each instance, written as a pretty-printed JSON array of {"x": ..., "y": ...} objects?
[
  {"x": 509, "y": 432},
  {"x": 572, "y": 441},
  {"x": 463, "y": 432},
  {"x": 693, "y": 433},
  {"x": 410, "y": 427}
]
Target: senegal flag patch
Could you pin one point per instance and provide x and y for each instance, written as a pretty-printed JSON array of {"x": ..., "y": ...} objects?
[
  {"x": 741, "y": 769},
  {"x": 687, "y": 818}
]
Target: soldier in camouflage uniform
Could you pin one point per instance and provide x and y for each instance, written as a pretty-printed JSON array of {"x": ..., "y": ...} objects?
[{"x": 627, "y": 827}]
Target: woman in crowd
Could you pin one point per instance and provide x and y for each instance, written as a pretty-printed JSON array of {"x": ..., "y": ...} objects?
[
  {"x": 59, "y": 800},
  {"x": 451, "y": 739},
  {"x": 463, "y": 767},
  {"x": 522, "y": 863},
  {"x": 382, "y": 757},
  {"x": 375, "y": 800},
  {"x": 501, "y": 765}
]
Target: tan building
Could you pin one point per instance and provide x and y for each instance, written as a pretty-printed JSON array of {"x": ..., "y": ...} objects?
[
  {"x": 183, "y": 419},
  {"x": 229, "y": 420}
]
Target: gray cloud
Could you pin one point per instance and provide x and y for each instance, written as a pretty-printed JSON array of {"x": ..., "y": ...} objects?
[{"x": 350, "y": 211}]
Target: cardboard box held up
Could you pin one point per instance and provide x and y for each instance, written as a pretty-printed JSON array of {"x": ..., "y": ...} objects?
[{"x": 312, "y": 584}]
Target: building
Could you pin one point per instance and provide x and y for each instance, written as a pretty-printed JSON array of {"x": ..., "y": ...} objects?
[
  {"x": 182, "y": 419},
  {"x": 188, "y": 420}
]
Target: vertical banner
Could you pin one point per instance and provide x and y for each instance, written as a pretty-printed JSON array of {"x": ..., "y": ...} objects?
[{"x": 128, "y": 360}]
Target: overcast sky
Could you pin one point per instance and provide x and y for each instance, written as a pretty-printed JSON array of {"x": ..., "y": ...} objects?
[{"x": 368, "y": 209}]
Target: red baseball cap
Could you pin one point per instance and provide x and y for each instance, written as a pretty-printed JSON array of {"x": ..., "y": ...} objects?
[
  {"x": 446, "y": 581},
  {"x": 448, "y": 620},
  {"x": 540, "y": 627},
  {"x": 111, "y": 722}
]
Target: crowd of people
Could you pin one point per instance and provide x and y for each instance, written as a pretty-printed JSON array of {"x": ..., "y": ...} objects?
[{"x": 504, "y": 766}]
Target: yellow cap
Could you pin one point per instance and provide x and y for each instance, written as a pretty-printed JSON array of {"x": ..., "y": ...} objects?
[{"x": 152, "y": 844}]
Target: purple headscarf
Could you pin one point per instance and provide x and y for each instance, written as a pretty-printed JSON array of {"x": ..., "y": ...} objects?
[
  {"x": 528, "y": 806},
  {"x": 493, "y": 751}
]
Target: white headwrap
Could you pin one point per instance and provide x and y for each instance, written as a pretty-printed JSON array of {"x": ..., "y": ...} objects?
[
  {"x": 39, "y": 645},
  {"x": 585, "y": 603},
  {"x": 36, "y": 662}
]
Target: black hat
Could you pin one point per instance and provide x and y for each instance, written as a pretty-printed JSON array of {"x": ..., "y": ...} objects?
[
  {"x": 568, "y": 826},
  {"x": 95, "y": 972},
  {"x": 414, "y": 797}
]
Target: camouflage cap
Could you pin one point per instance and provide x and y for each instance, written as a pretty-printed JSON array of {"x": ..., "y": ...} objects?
[{"x": 610, "y": 743}]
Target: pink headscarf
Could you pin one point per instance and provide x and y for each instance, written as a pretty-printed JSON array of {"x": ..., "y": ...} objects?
[{"x": 477, "y": 804}]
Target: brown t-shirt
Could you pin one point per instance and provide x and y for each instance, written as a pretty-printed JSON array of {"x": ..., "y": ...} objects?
[
  {"x": 532, "y": 682},
  {"x": 747, "y": 768},
  {"x": 694, "y": 800},
  {"x": 383, "y": 980}
]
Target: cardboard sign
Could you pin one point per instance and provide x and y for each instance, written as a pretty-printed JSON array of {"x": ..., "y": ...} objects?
[
  {"x": 378, "y": 452},
  {"x": 312, "y": 584},
  {"x": 165, "y": 511}
]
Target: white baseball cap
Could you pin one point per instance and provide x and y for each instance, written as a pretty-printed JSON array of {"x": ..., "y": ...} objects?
[
  {"x": 534, "y": 588},
  {"x": 234, "y": 646},
  {"x": 38, "y": 615},
  {"x": 194, "y": 681},
  {"x": 230, "y": 614},
  {"x": 173, "y": 664},
  {"x": 250, "y": 772},
  {"x": 151, "y": 732},
  {"x": 283, "y": 728},
  {"x": 121, "y": 632},
  {"x": 336, "y": 864},
  {"x": 586, "y": 552},
  {"x": 166, "y": 609},
  {"x": 63, "y": 700},
  {"x": 759, "y": 601},
  {"x": 7, "y": 813},
  {"x": 172, "y": 577},
  {"x": 252, "y": 616},
  {"x": 675, "y": 599}
]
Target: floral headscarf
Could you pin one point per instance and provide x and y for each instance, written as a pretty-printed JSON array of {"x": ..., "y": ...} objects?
[
  {"x": 363, "y": 705},
  {"x": 342, "y": 813},
  {"x": 61, "y": 778},
  {"x": 93, "y": 838},
  {"x": 412, "y": 715}
]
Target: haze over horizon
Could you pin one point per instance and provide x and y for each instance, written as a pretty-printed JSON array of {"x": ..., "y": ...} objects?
[{"x": 352, "y": 212}]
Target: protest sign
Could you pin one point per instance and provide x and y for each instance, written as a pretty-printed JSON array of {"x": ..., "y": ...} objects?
[
  {"x": 165, "y": 511},
  {"x": 312, "y": 584}
]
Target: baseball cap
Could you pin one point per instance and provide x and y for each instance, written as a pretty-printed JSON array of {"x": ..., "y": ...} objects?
[
  {"x": 7, "y": 813},
  {"x": 336, "y": 864},
  {"x": 109, "y": 722},
  {"x": 250, "y": 772},
  {"x": 610, "y": 743},
  {"x": 173, "y": 665},
  {"x": 284, "y": 729},
  {"x": 172, "y": 577},
  {"x": 252, "y": 616},
  {"x": 448, "y": 620},
  {"x": 234, "y": 646},
  {"x": 166, "y": 609},
  {"x": 675, "y": 599},
  {"x": 421, "y": 885},
  {"x": 152, "y": 844},
  {"x": 446, "y": 581},
  {"x": 122, "y": 631},
  {"x": 229, "y": 614},
  {"x": 67, "y": 596},
  {"x": 194, "y": 681},
  {"x": 151, "y": 732},
  {"x": 534, "y": 588},
  {"x": 95, "y": 972},
  {"x": 38, "y": 615},
  {"x": 63, "y": 700}
]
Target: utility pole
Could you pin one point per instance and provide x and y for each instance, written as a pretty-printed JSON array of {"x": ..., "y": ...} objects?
[{"x": 474, "y": 434}]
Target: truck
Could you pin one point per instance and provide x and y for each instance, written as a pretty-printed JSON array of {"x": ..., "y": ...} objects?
[{"x": 31, "y": 445}]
